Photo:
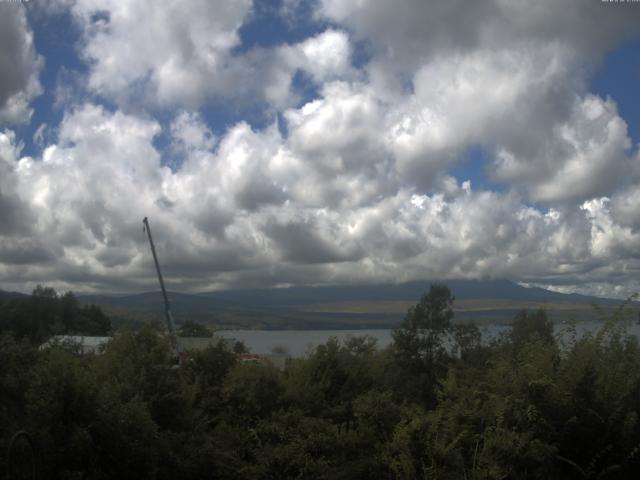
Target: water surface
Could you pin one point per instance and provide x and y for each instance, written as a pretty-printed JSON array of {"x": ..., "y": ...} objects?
[{"x": 299, "y": 343}]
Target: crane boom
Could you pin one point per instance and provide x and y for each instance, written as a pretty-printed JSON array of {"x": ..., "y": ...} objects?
[{"x": 167, "y": 308}]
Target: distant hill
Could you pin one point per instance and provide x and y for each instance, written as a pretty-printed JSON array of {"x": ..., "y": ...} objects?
[
  {"x": 11, "y": 295},
  {"x": 360, "y": 306},
  {"x": 153, "y": 301},
  {"x": 462, "y": 290}
]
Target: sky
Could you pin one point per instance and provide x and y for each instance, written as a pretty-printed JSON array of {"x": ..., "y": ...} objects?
[{"x": 324, "y": 142}]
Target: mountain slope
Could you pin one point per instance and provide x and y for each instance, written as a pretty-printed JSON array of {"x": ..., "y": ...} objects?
[
  {"x": 462, "y": 290},
  {"x": 368, "y": 306},
  {"x": 4, "y": 295}
]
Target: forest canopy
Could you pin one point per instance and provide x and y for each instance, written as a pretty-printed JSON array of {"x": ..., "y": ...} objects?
[
  {"x": 45, "y": 313},
  {"x": 526, "y": 405}
]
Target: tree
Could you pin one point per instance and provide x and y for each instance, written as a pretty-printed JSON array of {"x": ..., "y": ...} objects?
[
  {"x": 252, "y": 392},
  {"x": 420, "y": 354},
  {"x": 44, "y": 292},
  {"x": 45, "y": 313},
  {"x": 528, "y": 326},
  {"x": 93, "y": 321},
  {"x": 189, "y": 328},
  {"x": 468, "y": 339},
  {"x": 433, "y": 312}
]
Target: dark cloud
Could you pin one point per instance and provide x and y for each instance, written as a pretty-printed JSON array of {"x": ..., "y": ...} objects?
[
  {"x": 301, "y": 242},
  {"x": 15, "y": 214},
  {"x": 409, "y": 32},
  {"x": 13, "y": 217},
  {"x": 25, "y": 251}
]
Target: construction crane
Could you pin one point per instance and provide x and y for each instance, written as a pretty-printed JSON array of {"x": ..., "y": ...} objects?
[{"x": 167, "y": 308}]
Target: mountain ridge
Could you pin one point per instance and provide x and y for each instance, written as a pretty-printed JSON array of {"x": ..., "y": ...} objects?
[
  {"x": 461, "y": 289},
  {"x": 349, "y": 306}
]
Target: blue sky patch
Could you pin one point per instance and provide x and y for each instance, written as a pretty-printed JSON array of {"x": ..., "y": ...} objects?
[{"x": 619, "y": 78}]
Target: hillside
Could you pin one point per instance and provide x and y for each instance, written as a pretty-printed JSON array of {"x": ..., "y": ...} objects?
[
  {"x": 361, "y": 306},
  {"x": 10, "y": 295},
  {"x": 462, "y": 289}
]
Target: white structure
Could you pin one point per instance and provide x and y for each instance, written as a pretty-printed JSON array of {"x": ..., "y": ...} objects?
[{"x": 80, "y": 343}]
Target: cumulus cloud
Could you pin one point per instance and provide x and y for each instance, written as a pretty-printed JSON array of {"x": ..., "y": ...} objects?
[
  {"x": 327, "y": 56},
  {"x": 581, "y": 158},
  {"x": 74, "y": 210},
  {"x": 14, "y": 212},
  {"x": 624, "y": 206},
  {"x": 404, "y": 35},
  {"x": 186, "y": 53},
  {"x": 19, "y": 66},
  {"x": 466, "y": 99},
  {"x": 172, "y": 48},
  {"x": 500, "y": 74},
  {"x": 231, "y": 216},
  {"x": 93, "y": 226},
  {"x": 352, "y": 185}
]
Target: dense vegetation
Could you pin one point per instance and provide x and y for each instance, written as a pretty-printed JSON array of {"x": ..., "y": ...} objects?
[
  {"x": 436, "y": 404},
  {"x": 46, "y": 313}
]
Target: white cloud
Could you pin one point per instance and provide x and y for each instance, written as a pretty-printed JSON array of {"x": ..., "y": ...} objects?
[
  {"x": 458, "y": 101},
  {"x": 406, "y": 34},
  {"x": 624, "y": 206},
  {"x": 582, "y": 157},
  {"x": 184, "y": 54},
  {"x": 231, "y": 215},
  {"x": 607, "y": 237},
  {"x": 356, "y": 184},
  {"x": 191, "y": 133},
  {"x": 172, "y": 48},
  {"x": 19, "y": 66},
  {"x": 340, "y": 131},
  {"x": 338, "y": 140},
  {"x": 327, "y": 56},
  {"x": 499, "y": 74}
]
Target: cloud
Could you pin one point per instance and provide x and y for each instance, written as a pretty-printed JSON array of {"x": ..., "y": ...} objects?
[
  {"x": 173, "y": 48},
  {"x": 15, "y": 215},
  {"x": 352, "y": 185},
  {"x": 467, "y": 99},
  {"x": 24, "y": 251},
  {"x": 327, "y": 56},
  {"x": 309, "y": 241},
  {"x": 624, "y": 206},
  {"x": 499, "y": 74},
  {"x": 187, "y": 54},
  {"x": 405, "y": 35},
  {"x": 581, "y": 158},
  {"x": 190, "y": 133},
  {"x": 19, "y": 66},
  {"x": 93, "y": 226},
  {"x": 210, "y": 232},
  {"x": 73, "y": 209}
]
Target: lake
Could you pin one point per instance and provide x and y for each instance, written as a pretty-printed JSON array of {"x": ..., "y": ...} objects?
[{"x": 300, "y": 342}]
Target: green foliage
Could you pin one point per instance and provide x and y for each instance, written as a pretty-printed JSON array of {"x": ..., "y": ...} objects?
[
  {"x": 16, "y": 364},
  {"x": 189, "y": 328},
  {"x": 420, "y": 356},
  {"x": 468, "y": 344},
  {"x": 528, "y": 326},
  {"x": 252, "y": 392},
  {"x": 523, "y": 407},
  {"x": 433, "y": 312},
  {"x": 46, "y": 313}
]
